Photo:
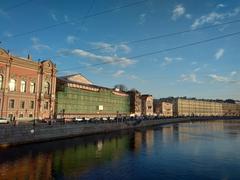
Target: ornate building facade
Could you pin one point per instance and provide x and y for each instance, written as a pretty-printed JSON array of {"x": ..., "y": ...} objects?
[
  {"x": 27, "y": 87},
  {"x": 147, "y": 104}
]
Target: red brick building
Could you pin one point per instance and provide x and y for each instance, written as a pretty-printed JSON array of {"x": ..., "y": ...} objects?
[{"x": 27, "y": 87}]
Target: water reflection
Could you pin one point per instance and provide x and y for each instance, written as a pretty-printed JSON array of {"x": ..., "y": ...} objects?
[{"x": 82, "y": 157}]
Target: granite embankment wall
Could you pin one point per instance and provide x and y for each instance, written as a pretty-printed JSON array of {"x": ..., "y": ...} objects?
[{"x": 26, "y": 133}]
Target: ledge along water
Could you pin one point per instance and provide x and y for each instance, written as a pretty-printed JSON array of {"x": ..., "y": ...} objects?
[{"x": 27, "y": 133}]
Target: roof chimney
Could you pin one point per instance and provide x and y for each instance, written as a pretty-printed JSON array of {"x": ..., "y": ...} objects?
[{"x": 29, "y": 57}]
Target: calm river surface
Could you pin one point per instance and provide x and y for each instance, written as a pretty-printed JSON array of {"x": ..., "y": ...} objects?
[{"x": 198, "y": 150}]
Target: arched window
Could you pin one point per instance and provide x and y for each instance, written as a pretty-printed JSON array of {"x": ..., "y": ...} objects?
[
  {"x": 47, "y": 88},
  {"x": 12, "y": 85},
  {"x": 1, "y": 81},
  {"x": 23, "y": 86},
  {"x": 32, "y": 87}
]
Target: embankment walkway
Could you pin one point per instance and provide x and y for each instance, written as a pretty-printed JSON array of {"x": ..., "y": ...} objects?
[{"x": 40, "y": 132}]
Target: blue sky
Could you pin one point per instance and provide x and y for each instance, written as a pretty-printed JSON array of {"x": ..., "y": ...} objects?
[{"x": 207, "y": 70}]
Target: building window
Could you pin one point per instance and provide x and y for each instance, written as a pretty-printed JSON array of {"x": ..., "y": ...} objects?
[
  {"x": 47, "y": 88},
  {"x": 20, "y": 115},
  {"x": 11, "y": 103},
  {"x": 30, "y": 115},
  {"x": 12, "y": 85},
  {"x": 22, "y": 104},
  {"x": 32, "y": 87},
  {"x": 31, "y": 104},
  {"x": 1, "y": 81},
  {"x": 23, "y": 86},
  {"x": 46, "y": 105}
]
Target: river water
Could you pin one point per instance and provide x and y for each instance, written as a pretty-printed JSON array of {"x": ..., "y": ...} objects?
[{"x": 197, "y": 150}]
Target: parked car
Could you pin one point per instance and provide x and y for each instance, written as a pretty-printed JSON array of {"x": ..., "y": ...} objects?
[
  {"x": 4, "y": 121},
  {"x": 77, "y": 119}
]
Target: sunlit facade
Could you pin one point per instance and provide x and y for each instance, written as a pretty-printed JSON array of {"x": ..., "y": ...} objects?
[
  {"x": 163, "y": 108},
  {"x": 195, "y": 107},
  {"x": 22, "y": 95}
]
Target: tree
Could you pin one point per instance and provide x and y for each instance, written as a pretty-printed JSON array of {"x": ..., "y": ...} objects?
[{"x": 121, "y": 87}]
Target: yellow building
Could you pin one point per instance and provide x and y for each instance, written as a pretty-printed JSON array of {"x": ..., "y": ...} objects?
[
  {"x": 231, "y": 109},
  {"x": 163, "y": 108},
  {"x": 195, "y": 107}
]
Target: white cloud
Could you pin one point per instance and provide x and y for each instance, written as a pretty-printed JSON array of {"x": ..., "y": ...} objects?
[
  {"x": 111, "y": 48},
  {"x": 193, "y": 63},
  {"x": 38, "y": 46},
  {"x": 220, "y": 5},
  {"x": 167, "y": 61},
  {"x": 124, "y": 47},
  {"x": 142, "y": 18},
  {"x": 188, "y": 16},
  {"x": 233, "y": 73},
  {"x": 214, "y": 18},
  {"x": 197, "y": 69},
  {"x": 118, "y": 73},
  {"x": 123, "y": 61},
  {"x": 189, "y": 78},
  {"x": 66, "y": 18},
  {"x": 92, "y": 68},
  {"x": 71, "y": 39},
  {"x": 53, "y": 16},
  {"x": 223, "y": 79},
  {"x": 219, "y": 78},
  {"x": 178, "y": 11},
  {"x": 7, "y": 34},
  {"x": 170, "y": 60},
  {"x": 219, "y": 53}
]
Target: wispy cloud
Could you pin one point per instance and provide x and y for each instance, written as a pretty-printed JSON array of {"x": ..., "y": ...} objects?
[
  {"x": 4, "y": 14},
  {"x": 220, "y": 5},
  {"x": 111, "y": 48},
  {"x": 53, "y": 16},
  {"x": 219, "y": 53},
  {"x": 123, "y": 74},
  {"x": 233, "y": 73},
  {"x": 223, "y": 79},
  {"x": 214, "y": 18},
  {"x": 92, "y": 68},
  {"x": 71, "y": 39},
  {"x": 193, "y": 63},
  {"x": 188, "y": 16},
  {"x": 189, "y": 78},
  {"x": 197, "y": 69},
  {"x": 123, "y": 61},
  {"x": 142, "y": 18},
  {"x": 66, "y": 18},
  {"x": 118, "y": 73},
  {"x": 7, "y": 34},
  {"x": 178, "y": 11},
  {"x": 170, "y": 60},
  {"x": 39, "y": 46}
]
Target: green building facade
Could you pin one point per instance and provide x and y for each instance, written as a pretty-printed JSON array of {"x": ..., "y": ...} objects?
[{"x": 77, "y": 99}]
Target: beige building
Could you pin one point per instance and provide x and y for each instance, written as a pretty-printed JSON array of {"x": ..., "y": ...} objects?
[
  {"x": 230, "y": 109},
  {"x": 163, "y": 108},
  {"x": 195, "y": 107},
  {"x": 147, "y": 104}
]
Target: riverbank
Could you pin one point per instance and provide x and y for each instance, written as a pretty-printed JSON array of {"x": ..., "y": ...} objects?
[{"x": 27, "y": 133}]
